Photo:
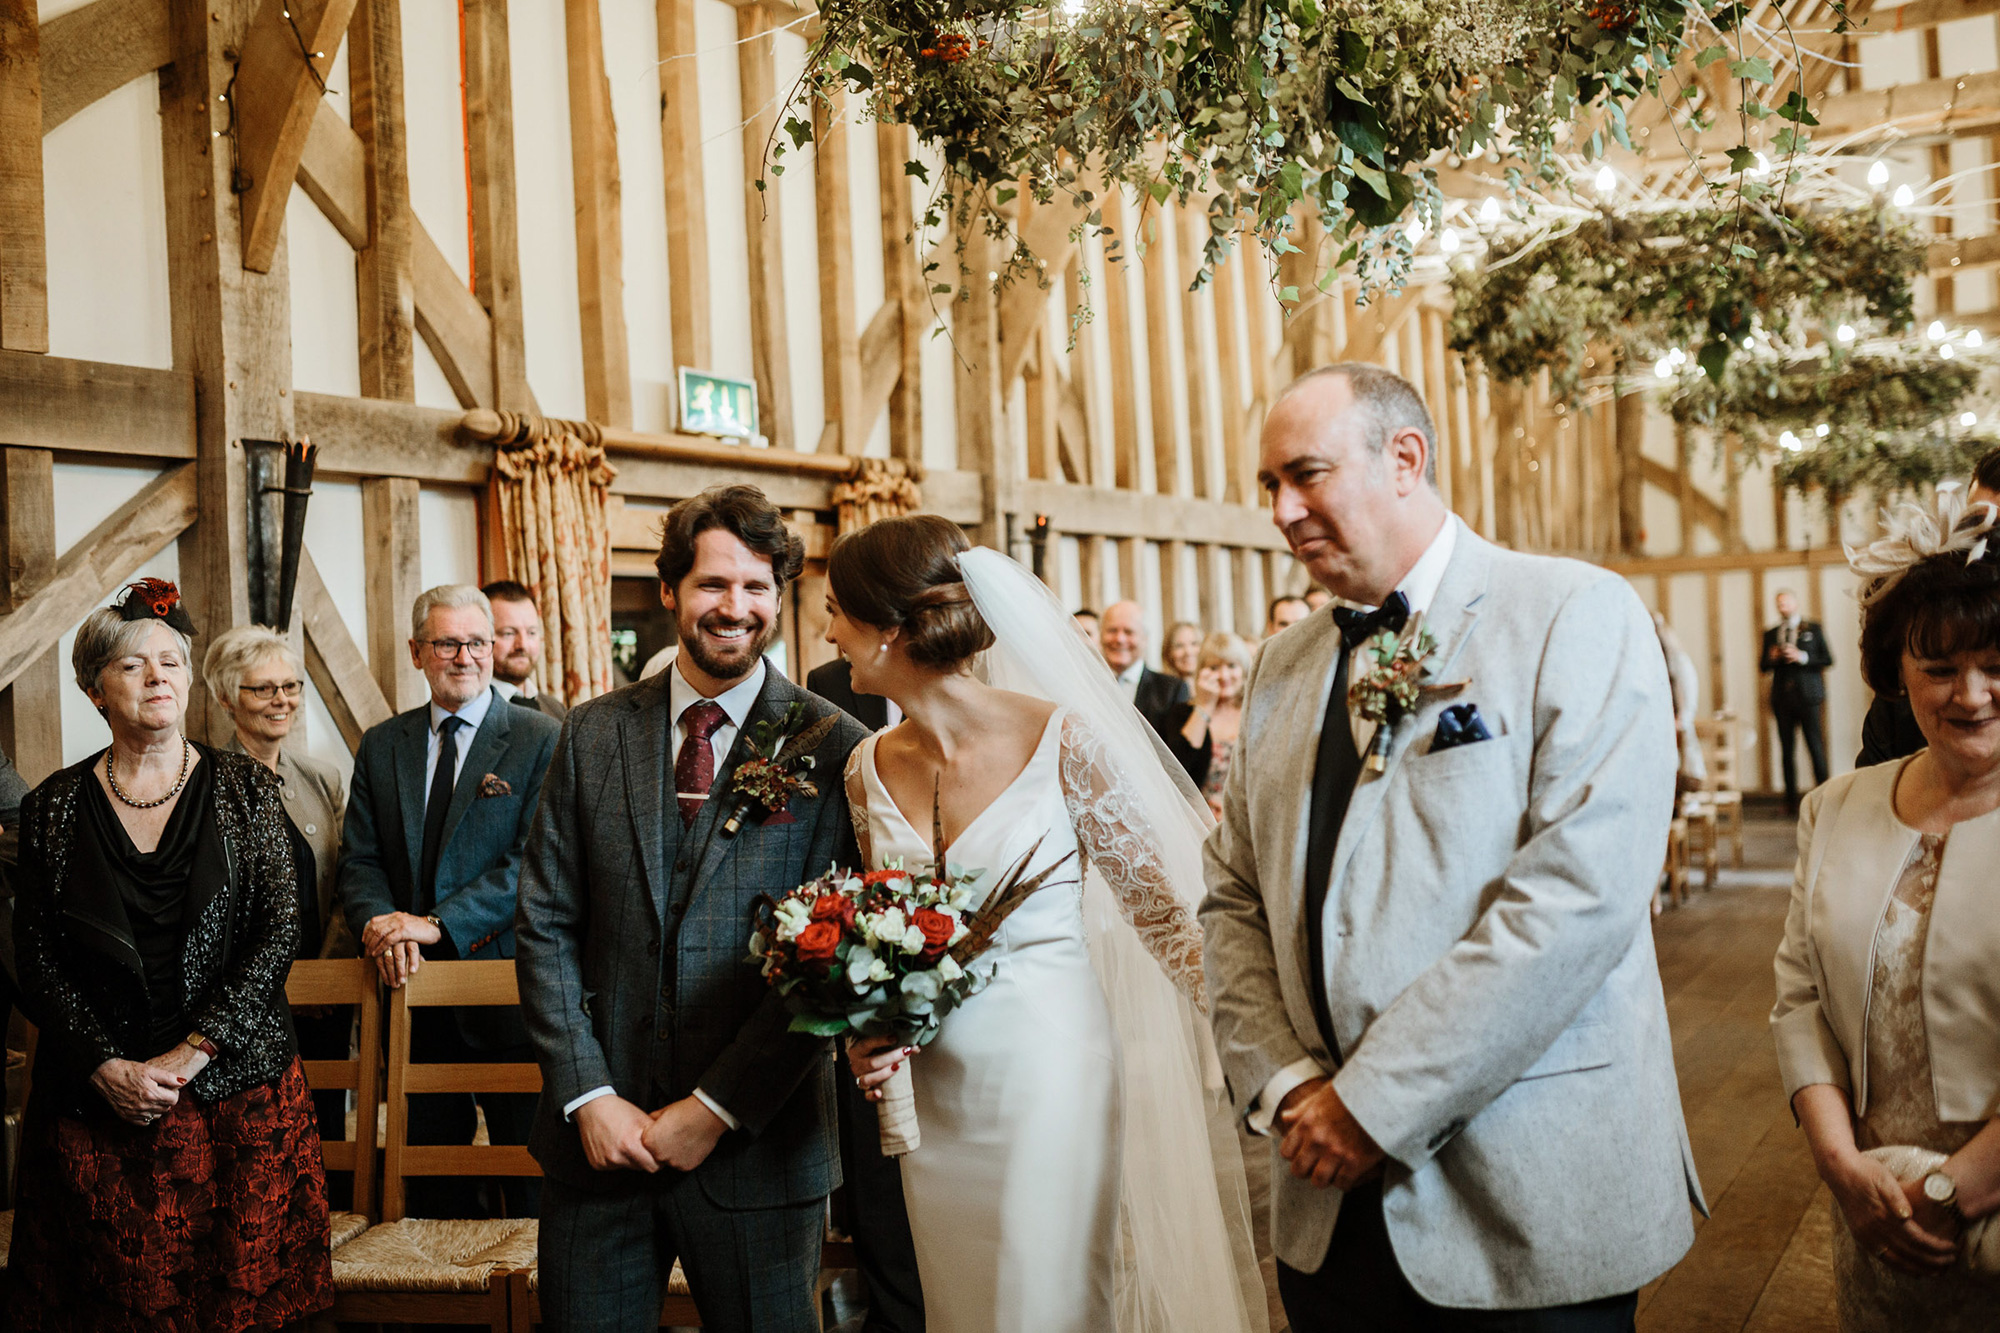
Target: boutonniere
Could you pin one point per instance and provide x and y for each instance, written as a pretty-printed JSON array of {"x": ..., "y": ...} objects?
[
  {"x": 779, "y": 767},
  {"x": 1397, "y": 679}
]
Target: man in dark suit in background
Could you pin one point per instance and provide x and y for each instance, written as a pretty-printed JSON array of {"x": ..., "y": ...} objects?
[
  {"x": 834, "y": 682},
  {"x": 1122, "y": 641},
  {"x": 517, "y": 648},
  {"x": 681, "y": 1119},
  {"x": 430, "y": 855},
  {"x": 1796, "y": 656}
]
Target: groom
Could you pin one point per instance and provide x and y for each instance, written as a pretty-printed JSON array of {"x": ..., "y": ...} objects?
[
  {"x": 1434, "y": 986},
  {"x": 679, "y": 1119}
]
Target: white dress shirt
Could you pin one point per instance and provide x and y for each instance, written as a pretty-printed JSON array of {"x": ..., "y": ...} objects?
[
  {"x": 508, "y": 690},
  {"x": 473, "y": 713},
  {"x": 736, "y": 703},
  {"x": 1419, "y": 587},
  {"x": 1128, "y": 679}
]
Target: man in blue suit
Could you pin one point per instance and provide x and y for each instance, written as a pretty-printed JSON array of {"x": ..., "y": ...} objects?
[{"x": 437, "y": 817}]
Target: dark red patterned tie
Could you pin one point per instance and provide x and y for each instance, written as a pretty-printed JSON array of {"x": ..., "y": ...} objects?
[{"x": 694, "y": 768}]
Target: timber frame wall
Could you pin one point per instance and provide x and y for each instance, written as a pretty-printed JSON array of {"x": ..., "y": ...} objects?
[{"x": 1138, "y": 438}]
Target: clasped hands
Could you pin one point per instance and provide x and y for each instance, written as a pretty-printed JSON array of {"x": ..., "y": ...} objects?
[
  {"x": 1323, "y": 1141},
  {"x": 1892, "y": 1219},
  {"x": 395, "y": 941},
  {"x": 143, "y": 1091},
  {"x": 618, "y": 1136}
]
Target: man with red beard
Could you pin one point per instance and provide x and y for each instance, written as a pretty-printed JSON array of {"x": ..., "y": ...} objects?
[{"x": 680, "y": 1119}]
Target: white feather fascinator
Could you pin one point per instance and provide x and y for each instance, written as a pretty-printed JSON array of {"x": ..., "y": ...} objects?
[{"x": 1913, "y": 534}]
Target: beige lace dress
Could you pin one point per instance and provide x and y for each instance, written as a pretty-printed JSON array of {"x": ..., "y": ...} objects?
[{"x": 1902, "y": 1109}]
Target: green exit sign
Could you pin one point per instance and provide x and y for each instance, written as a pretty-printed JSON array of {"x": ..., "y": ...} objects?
[{"x": 717, "y": 405}]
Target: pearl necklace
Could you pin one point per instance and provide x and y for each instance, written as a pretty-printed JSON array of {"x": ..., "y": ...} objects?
[{"x": 111, "y": 776}]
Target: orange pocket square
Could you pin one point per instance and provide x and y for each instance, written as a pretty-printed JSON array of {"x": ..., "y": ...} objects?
[{"x": 494, "y": 785}]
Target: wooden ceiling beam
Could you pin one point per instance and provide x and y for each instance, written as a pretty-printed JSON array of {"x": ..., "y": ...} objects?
[
  {"x": 600, "y": 240},
  {"x": 98, "y": 49},
  {"x": 52, "y": 402},
  {"x": 280, "y": 85},
  {"x": 24, "y": 257}
]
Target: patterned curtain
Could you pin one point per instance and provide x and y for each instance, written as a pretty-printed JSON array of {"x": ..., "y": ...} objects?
[
  {"x": 550, "y": 482},
  {"x": 878, "y": 488}
]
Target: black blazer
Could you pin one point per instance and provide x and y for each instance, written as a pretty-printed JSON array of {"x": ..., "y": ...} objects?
[
  {"x": 81, "y": 978},
  {"x": 1797, "y": 684},
  {"x": 1195, "y": 759},
  {"x": 834, "y": 682},
  {"x": 479, "y": 864},
  {"x": 1888, "y": 732},
  {"x": 1157, "y": 693}
]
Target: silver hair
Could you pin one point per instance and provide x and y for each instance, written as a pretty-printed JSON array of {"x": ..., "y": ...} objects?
[
  {"x": 236, "y": 651},
  {"x": 1391, "y": 402},
  {"x": 106, "y": 635},
  {"x": 452, "y": 596}
]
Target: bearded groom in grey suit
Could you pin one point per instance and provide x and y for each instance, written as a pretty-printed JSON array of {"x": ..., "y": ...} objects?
[
  {"x": 680, "y": 1120},
  {"x": 1433, "y": 985}
]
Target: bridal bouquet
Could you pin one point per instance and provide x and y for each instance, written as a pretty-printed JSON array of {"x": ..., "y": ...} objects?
[{"x": 886, "y": 953}]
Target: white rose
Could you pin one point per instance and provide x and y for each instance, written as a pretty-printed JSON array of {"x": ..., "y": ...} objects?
[
  {"x": 948, "y": 968},
  {"x": 889, "y": 926},
  {"x": 913, "y": 940},
  {"x": 861, "y": 963},
  {"x": 853, "y": 887},
  {"x": 878, "y": 970}
]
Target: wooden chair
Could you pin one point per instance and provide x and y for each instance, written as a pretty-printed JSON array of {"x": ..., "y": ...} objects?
[
  {"x": 1719, "y": 735},
  {"x": 412, "y": 1270},
  {"x": 1675, "y": 874},
  {"x": 347, "y": 981},
  {"x": 27, "y": 1077}
]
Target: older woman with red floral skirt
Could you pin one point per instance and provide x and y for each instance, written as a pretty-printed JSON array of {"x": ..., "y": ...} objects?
[{"x": 170, "y": 1172}]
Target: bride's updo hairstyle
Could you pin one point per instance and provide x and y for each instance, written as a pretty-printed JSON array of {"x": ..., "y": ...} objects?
[{"x": 902, "y": 573}]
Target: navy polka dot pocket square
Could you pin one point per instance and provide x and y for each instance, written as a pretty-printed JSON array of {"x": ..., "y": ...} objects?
[{"x": 1460, "y": 724}]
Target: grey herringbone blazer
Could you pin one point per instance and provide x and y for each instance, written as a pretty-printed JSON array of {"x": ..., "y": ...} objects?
[
  {"x": 1498, "y": 1022},
  {"x": 632, "y": 938}
]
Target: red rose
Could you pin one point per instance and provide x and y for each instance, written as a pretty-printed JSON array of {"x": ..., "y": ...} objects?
[
  {"x": 817, "y": 942},
  {"x": 827, "y": 907},
  {"x": 938, "y": 930},
  {"x": 875, "y": 877}
]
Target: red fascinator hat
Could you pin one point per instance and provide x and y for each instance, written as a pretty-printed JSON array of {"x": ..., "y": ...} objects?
[{"x": 156, "y": 599}]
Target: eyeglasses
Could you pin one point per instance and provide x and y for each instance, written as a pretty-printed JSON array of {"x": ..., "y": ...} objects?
[
  {"x": 291, "y": 689},
  {"x": 444, "y": 650}
]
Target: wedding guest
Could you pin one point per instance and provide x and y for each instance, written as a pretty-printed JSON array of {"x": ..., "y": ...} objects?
[
  {"x": 1434, "y": 981},
  {"x": 1122, "y": 642},
  {"x": 1888, "y": 1019},
  {"x": 682, "y": 1120},
  {"x": 1316, "y": 597},
  {"x": 1284, "y": 613},
  {"x": 1686, "y": 686},
  {"x": 1180, "y": 651},
  {"x": 1796, "y": 658},
  {"x": 1889, "y": 731},
  {"x": 170, "y": 1172},
  {"x": 834, "y": 682},
  {"x": 454, "y": 780},
  {"x": 517, "y": 648},
  {"x": 1087, "y": 626},
  {"x": 256, "y": 678},
  {"x": 1201, "y": 733}
]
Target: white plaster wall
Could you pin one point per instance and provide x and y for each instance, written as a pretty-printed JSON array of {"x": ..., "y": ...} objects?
[
  {"x": 798, "y": 226},
  {"x": 723, "y": 187},
  {"x": 326, "y": 323},
  {"x": 434, "y": 123},
  {"x": 448, "y": 521},
  {"x": 631, "y": 63},
  {"x": 545, "y": 205}
]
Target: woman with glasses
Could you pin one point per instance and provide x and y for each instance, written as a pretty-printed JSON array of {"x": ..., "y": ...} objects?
[{"x": 257, "y": 678}]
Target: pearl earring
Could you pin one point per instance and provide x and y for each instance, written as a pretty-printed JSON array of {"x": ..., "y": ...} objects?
[{"x": 883, "y": 649}]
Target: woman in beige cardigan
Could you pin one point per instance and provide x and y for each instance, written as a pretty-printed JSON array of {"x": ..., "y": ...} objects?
[{"x": 1888, "y": 1013}]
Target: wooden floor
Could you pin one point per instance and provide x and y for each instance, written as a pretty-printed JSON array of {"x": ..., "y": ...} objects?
[{"x": 1760, "y": 1260}]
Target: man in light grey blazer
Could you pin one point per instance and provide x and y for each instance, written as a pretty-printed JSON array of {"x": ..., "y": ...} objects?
[{"x": 1434, "y": 985}]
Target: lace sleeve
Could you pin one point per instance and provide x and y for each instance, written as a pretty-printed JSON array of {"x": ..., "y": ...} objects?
[
  {"x": 1115, "y": 833},
  {"x": 857, "y": 803}
]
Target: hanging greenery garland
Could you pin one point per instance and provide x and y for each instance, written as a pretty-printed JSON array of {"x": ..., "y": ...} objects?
[
  {"x": 1647, "y": 281},
  {"x": 1263, "y": 106}
]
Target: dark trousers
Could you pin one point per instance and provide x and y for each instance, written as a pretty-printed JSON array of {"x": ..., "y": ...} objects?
[
  {"x": 605, "y": 1258},
  {"x": 1795, "y": 719},
  {"x": 451, "y": 1117},
  {"x": 329, "y": 1035},
  {"x": 870, "y": 1208},
  {"x": 1360, "y": 1288}
]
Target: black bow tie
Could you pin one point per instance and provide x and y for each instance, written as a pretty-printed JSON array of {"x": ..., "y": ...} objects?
[{"x": 1358, "y": 627}]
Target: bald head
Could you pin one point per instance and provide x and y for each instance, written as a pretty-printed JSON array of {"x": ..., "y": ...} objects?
[
  {"x": 1347, "y": 458},
  {"x": 1122, "y": 635}
]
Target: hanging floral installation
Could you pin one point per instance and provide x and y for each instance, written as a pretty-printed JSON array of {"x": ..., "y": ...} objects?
[{"x": 1267, "y": 108}]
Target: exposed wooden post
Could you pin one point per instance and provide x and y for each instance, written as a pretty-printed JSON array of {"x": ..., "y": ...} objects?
[
  {"x": 1159, "y": 353},
  {"x": 1128, "y": 567},
  {"x": 30, "y": 708},
  {"x": 1239, "y": 467},
  {"x": 839, "y": 338},
  {"x": 771, "y": 358},
  {"x": 1118, "y": 331},
  {"x": 600, "y": 239},
  {"x": 1172, "y": 584},
  {"x": 687, "y": 196},
  {"x": 1684, "y": 485},
  {"x": 384, "y": 268},
  {"x": 1086, "y": 382},
  {"x": 1631, "y": 434},
  {"x": 392, "y": 559},
  {"x": 1044, "y": 397},
  {"x": 1249, "y": 614},
  {"x": 277, "y": 89},
  {"x": 1437, "y": 396},
  {"x": 984, "y": 445},
  {"x": 24, "y": 278},
  {"x": 1732, "y": 495},
  {"x": 496, "y": 247},
  {"x": 231, "y": 324},
  {"x": 1208, "y": 596},
  {"x": 1763, "y": 709},
  {"x": 902, "y": 285},
  {"x": 1090, "y": 571}
]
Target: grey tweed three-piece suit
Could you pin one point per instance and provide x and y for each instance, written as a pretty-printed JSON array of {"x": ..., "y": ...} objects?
[{"x": 633, "y": 934}]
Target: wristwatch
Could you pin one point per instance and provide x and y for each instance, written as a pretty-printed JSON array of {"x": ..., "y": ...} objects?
[
  {"x": 1942, "y": 1190},
  {"x": 202, "y": 1044},
  {"x": 435, "y": 922}
]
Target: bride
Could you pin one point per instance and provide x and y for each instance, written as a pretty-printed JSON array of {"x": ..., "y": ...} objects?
[{"x": 1079, "y": 1168}]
